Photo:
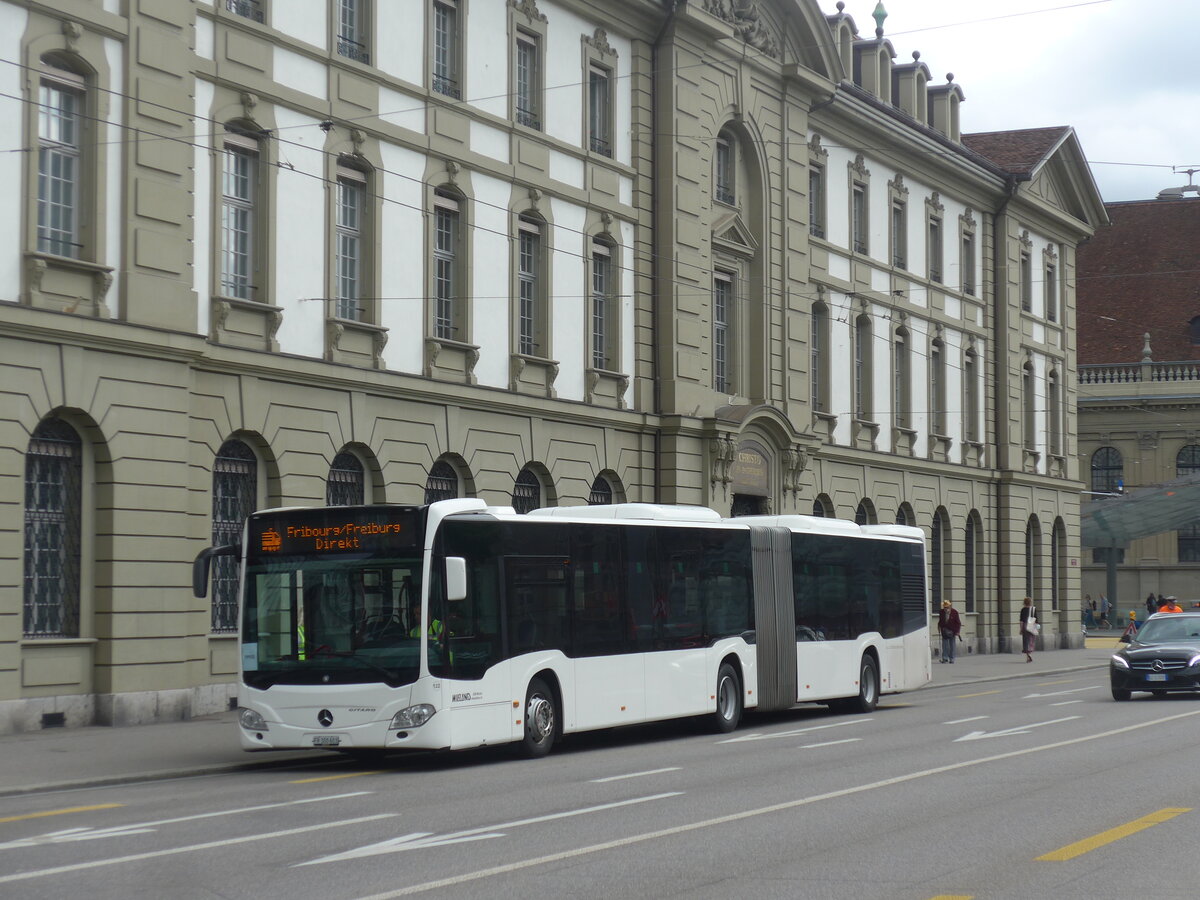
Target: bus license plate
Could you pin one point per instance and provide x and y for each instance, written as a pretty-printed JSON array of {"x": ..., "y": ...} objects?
[
  {"x": 1157, "y": 676},
  {"x": 326, "y": 740}
]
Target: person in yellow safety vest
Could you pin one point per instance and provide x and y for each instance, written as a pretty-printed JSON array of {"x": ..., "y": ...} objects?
[
  {"x": 1170, "y": 606},
  {"x": 435, "y": 629}
]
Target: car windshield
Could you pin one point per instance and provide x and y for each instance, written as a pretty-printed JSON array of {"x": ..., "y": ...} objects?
[
  {"x": 310, "y": 621},
  {"x": 1170, "y": 628}
]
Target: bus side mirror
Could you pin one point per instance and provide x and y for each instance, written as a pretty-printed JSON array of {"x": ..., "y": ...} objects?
[
  {"x": 456, "y": 578},
  {"x": 201, "y": 565}
]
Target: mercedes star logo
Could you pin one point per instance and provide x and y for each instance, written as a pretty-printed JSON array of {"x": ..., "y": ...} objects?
[
  {"x": 1158, "y": 665},
  {"x": 325, "y": 717}
]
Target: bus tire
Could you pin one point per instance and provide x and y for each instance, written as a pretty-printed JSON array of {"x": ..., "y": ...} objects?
[
  {"x": 541, "y": 720},
  {"x": 729, "y": 700},
  {"x": 868, "y": 687}
]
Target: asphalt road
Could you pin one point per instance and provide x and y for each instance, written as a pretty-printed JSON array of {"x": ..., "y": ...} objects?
[{"x": 1021, "y": 788}]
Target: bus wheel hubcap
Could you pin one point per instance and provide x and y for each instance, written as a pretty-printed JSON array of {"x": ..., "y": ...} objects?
[{"x": 541, "y": 717}]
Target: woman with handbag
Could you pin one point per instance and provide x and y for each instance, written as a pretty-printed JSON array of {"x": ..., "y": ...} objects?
[{"x": 1029, "y": 628}]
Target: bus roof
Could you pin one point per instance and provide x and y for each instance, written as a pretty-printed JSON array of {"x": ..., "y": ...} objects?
[
  {"x": 646, "y": 511},
  {"x": 822, "y": 525}
]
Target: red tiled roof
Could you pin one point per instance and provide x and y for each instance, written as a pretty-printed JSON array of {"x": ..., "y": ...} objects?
[
  {"x": 1141, "y": 274},
  {"x": 1017, "y": 152}
]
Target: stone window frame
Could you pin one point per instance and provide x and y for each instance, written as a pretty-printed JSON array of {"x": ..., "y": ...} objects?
[
  {"x": 902, "y": 356},
  {"x": 860, "y": 222},
  {"x": 527, "y": 25},
  {"x": 1033, "y": 557},
  {"x": 1025, "y": 273},
  {"x": 1029, "y": 434},
  {"x": 725, "y": 168},
  {"x": 820, "y": 374},
  {"x": 357, "y": 45},
  {"x": 452, "y": 83},
  {"x": 862, "y": 372},
  {"x": 725, "y": 331},
  {"x": 599, "y": 58},
  {"x": 967, "y": 244},
  {"x": 973, "y": 551},
  {"x": 448, "y": 185},
  {"x": 898, "y": 223},
  {"x": 935, "y": 238},
  {"x": 1055, "y": 423},
  {"x": 818, "y": 200},
  {"x": 532, "y": 220},
  {"x": 971, "y": 374},
  {"x": 605, "y": 244},
  {"x": 938, "y": 371},
  {"x": 347, "y": 170}
]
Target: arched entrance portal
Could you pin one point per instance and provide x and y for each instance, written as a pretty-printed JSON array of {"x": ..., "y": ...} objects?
[{"x": 750, "y": 479}]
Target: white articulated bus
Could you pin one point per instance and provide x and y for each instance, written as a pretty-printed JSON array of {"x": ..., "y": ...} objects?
[{"x": 459, "y": 625}]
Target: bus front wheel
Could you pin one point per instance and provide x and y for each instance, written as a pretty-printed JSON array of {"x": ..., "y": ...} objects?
[
  {"x": 729, "y": 700},
  {"x": 541, "y": 720},
  {"x": 868, "y": 689}
]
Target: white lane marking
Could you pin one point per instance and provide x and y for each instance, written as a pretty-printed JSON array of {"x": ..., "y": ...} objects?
[
  {"x": 1066, "y": 702},
  {"x": 961, "y": 721},
  {"x": 753, "y": 813},
  {"x": 90, "y": 834},
  {"x": 829, "y": 743},
  {"x": 757, "y": 736},
  {"x": 422, "y": 839},
  {"x": 634, "y": 775},
  {"x": 1091, "y": 687},
  {"x": 192, "y": 848},
  {"x": 1009, "y": 732}
]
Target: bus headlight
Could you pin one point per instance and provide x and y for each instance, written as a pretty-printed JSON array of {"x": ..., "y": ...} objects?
[
  {"x": 413, "y": 717},
  {"x": 252, "y": 721}
]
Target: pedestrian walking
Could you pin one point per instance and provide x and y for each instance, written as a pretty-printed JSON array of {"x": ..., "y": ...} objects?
[
  {"x": 1151, "y": 604},
  {"x": 1104, "y": 623},
  {"x": 1029, "y": 628},
  {"x": 1089, "y": 611},
  {"x": 949, "y": 625}
]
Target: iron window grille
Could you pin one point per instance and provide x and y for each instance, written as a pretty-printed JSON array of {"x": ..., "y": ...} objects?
[
  {"x": 527, "y": 492},
  {"x": 442, "y": 483},
  {"x": 601, "y": 493},
  {"x": 53, "y": 497},
  {"x": 352, "y": 31},
  {"x": 235, "y": 494},
  {"x": 346, "y": 485}
]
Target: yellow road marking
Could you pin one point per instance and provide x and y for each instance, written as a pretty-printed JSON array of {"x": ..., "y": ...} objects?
[
  {"x": 333, "y": 777},
  {"x": 980, "y": 694},
  {"x": 61, "y": 812},
  {"x": 1113, "y": 834}
]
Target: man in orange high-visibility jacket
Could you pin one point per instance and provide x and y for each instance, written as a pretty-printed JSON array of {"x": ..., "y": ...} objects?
[{"x": 1169, "y": 605}]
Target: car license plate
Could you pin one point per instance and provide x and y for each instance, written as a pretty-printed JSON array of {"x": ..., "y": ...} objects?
[
  {"x": 1157, "y": 676},
  {"x": 326, "y": 740}
]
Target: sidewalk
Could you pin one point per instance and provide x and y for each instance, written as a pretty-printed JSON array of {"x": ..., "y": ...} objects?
[{"x": 64, "y": 758}]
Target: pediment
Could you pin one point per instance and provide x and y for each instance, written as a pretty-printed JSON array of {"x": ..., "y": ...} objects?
[{"x": 731, "y": 234}]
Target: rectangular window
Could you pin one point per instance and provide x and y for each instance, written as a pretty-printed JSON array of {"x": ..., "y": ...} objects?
[
  {"x": 247, "y": 9},
  {"x": 1052, "y": 293},
  {"x": 528, "y": 101},
  {"x": 446, "y": 48},
  {"x": 445, "y": 260},
  {"x": 723, "y": 171},
  {"x": 352, "y": 30},
  {"x": 238, "y": 221},
  {"x": 1030, "y": 410},
  {"x": 722, "y": 309},
  {"x": 935, "y": 249},
  {"x": 1054, "y": 404},
  {"x": 937, "y": 388},
  {"x": 817, "y": 360},
  {"x": 351, "y": 201},
  {"x": 899, "y": 235},
  {"x": 903, "y": 381},
  {"x": 858, "y": 218},
  {"x": 601, "y": 306},
  {"x": 1026, "y": 283},
  {"x": 862, "y": 369},
  {"x": 599, "y": 111},
  {"x": 529, "y": 252},
  {"x": 816, "y": 201},
  {"x": 968, "y": 264},
  {"x": 59, "y": 137},
  {"x": 972, "y": 393}
]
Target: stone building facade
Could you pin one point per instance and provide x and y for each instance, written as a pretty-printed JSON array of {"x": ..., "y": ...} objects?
[{"x": 542, "y": 253}]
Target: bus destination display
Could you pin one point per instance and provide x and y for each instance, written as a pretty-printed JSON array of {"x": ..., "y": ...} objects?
[{"x": 346, "y": 530}]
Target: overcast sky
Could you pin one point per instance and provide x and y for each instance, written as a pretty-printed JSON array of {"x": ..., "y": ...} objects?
[{"x": 1123, "y": 73}]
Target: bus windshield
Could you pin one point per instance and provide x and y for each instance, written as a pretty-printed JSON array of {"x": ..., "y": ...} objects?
[{"x": 332, "y": 621}]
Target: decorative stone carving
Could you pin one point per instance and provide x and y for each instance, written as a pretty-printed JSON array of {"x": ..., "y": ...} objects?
[
  {"x": 795, "y": 461},
  {"x": 935, "y": 203},
  {"x": 72, "y": 32},
  {"x": 101, "y": 282},
  {"x": 815, "y": 148},
  {"x": 472, "y": 360},
  {"x": 248, "y": 101},
  {"x": 516, "y": 365},
  {"x": 859, "y": 167},
  {"x": 599, "y": 40},
  {"x": 432, "y": 348},
  {"x": 968, "y": 219},
  {"x": 358, "y": 137},
  {"x": 378, "y": 341},
  {"x": 333, "y": 339},
  {"x": 218, "y": 314},
  {"x": 452, "y": 170},
  {"x": 1147, "y": 440},
  {"x": 528, "y": 8},
  {"x": 36, "y": 271},
  {"x": 273, "y": 323},
  {"x": 747, "y": 23},
  {"x": 897, "y": 185},
  {"x": 721, "y": 453},
  {"x": 622, "y": 388}
]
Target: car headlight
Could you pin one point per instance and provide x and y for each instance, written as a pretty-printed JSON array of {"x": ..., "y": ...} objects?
[
  {"x": 414, "y": 716},
  {"x": 252, "y": 721},
  {"x": 1194, "y": 661},
  {"x": 1120, "y": 662}
]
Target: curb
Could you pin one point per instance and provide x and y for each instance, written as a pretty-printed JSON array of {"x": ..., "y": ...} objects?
[{"x": 1007, "y": 675}]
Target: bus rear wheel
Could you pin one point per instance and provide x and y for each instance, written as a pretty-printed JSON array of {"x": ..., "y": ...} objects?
[
  {"x": 541, "y": 720},
  {"x": 729, "y": 700},
  {"x": 868, "y": 690}
]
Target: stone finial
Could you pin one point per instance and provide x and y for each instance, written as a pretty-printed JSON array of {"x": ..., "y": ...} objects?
[{"x": 1146, "y": 347}]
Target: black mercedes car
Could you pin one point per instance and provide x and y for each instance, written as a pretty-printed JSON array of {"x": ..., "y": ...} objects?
[{"x": 1164, "y": 656}]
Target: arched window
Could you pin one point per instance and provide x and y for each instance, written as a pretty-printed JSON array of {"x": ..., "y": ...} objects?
[
  {"x": 346, "y": 485},
  {"x": 865, "y": 513},
  {"x": 972, "y": 551},
  {"x": 1187, "y": 462},
  {"x": 1054, "y": 407},
  {"x": 1058, "y": 563},
  {"x": 442, "y": 483},
  {"x": 234, "y": 496},
  {"x": 904, "y": 515},
  {"x": 601, "y": 493},
  {"x": 862, "y": 368},
  {"x": 821, "y": 508},
  {"x": 1029, "y": 404},
  {"x": 819, "y": 358},
  {"x": 939, "y": 557},
  {"x": 902, "y": 389},
  {"x": 1033, "y": 557},
  {"x": 53, "y": 513},
  {"x": 527, "y": 491},
  {"x": 1107, "y": 469}
]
